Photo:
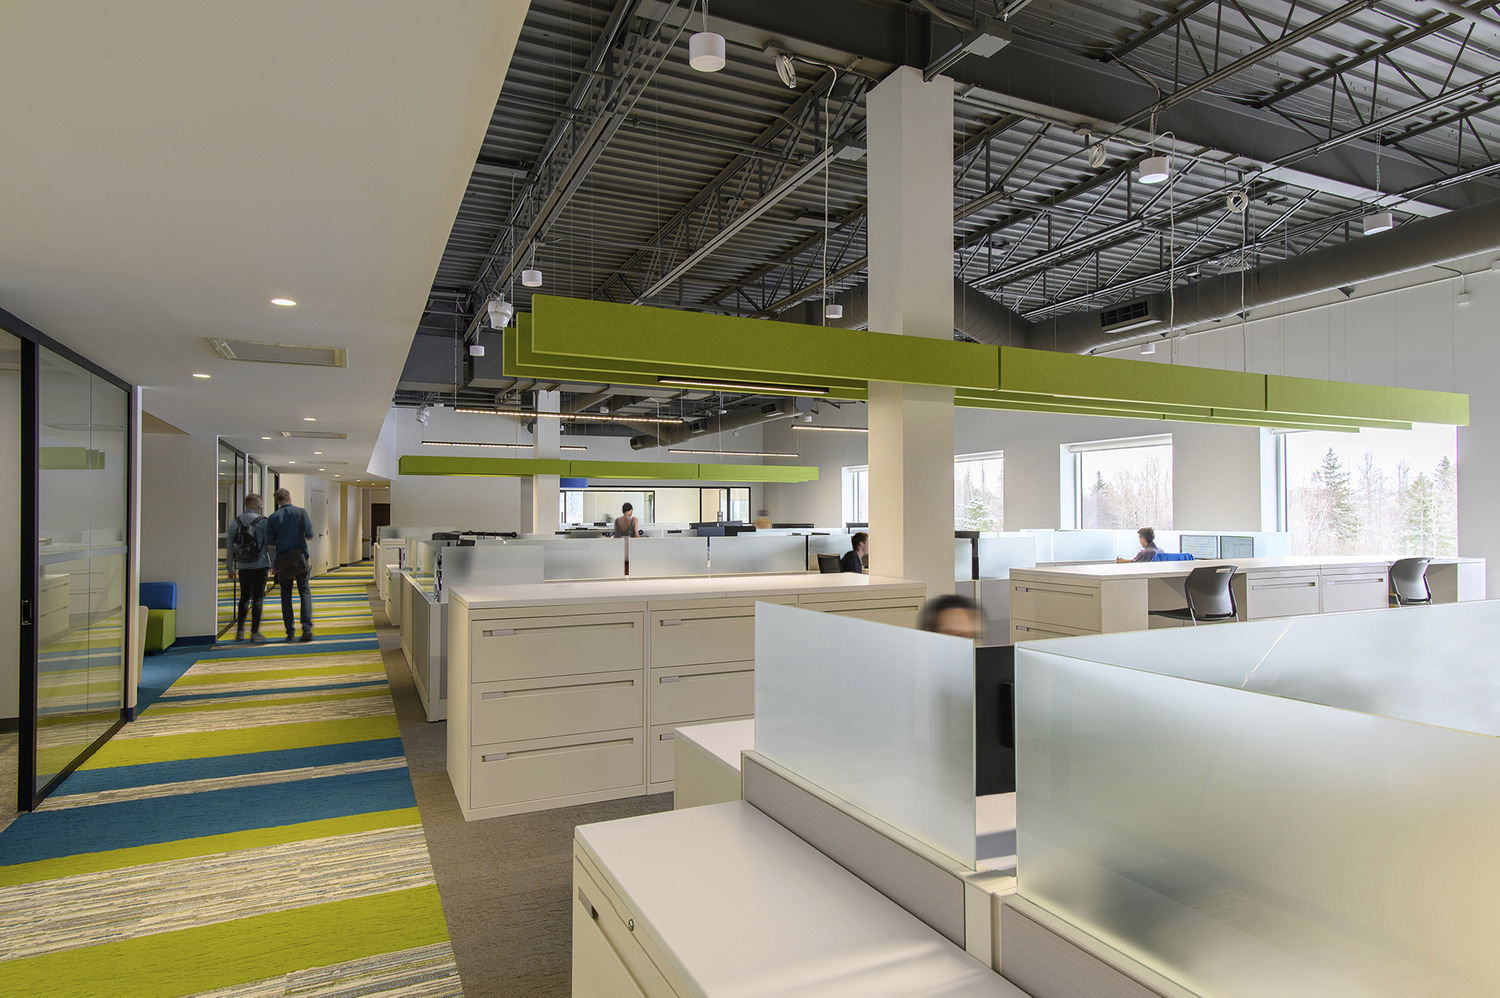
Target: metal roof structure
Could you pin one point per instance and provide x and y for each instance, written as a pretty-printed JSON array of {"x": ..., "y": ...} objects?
[{"x": 624, "y": 175}]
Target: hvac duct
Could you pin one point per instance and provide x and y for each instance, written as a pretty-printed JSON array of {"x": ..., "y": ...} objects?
[
  {"x": 975, "y": 314},
  {"x": 663, "y": 436}
]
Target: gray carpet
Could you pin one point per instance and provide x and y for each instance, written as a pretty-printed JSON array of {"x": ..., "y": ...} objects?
[
  {"x": 506, "y": 883},
  {"x": 10, "y": 750}
]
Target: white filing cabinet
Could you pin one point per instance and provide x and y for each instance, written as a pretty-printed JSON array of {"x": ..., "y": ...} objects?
[
  {"x": 53, "y": 604},
  {"x": 1354, "y": 588},
  {"x": 574, "y": 699},
  {"x": 1286, "y": 593}
]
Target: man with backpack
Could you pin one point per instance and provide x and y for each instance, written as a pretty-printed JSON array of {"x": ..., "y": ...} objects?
[
  {"x": 288, "y": 530},
  {"x": 249, "y": 560}
]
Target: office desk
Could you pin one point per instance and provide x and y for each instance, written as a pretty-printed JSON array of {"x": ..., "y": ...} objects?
[
  {"x": 724, "y": 902},
  {"x": 569, "y": 692},
  {"x": 1069, "y": 600}
]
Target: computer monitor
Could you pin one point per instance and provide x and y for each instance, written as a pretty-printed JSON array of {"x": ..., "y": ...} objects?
[
  {"x": 857, "y": 526},
  {"x": 1200, "y": 546},
  {"x": 994, "y": 720},
  {"x": 792, "y": 526},
  {"x": 1236, "y": 546}
]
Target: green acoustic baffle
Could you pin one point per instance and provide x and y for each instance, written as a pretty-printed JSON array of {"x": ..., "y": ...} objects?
[
  {"x": 1369, "y": 402},
  {"x": 505, "y": 467},
  {"x": 1105, "y": 379},
  {"x": 579, "y": 335},
  {"x": 780, "y": 473}
]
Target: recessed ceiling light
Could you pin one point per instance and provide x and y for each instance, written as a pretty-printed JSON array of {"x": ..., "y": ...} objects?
[
  {"x": 318, "y": 452},
  {"x": 265, "y": 438},
  {"x": 203, "y": 375},
  {"x": 291, "y": 462},
  {"x": 322, "y": 469},
  {"x": 309, "y": 419},
  {"x": 283, "y": 301}
]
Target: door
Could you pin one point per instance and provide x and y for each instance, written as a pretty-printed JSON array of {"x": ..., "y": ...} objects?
[{"x": 317, "y": 511}]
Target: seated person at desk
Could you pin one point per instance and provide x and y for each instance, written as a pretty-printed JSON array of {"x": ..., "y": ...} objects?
[
  {"x": 1148, "y": 549},
  {"x": 951, "y": 614},
  {"x": 627, "y": 525},
  {"x": 854, "y": 560}
]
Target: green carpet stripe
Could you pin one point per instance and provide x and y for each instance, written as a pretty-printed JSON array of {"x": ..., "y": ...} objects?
[
  {"x": 238, "y": 952},
  {"x": 294, "y": 656},
  {"x": 205, "y": 745},
  {"x": 232, "y": 677},
  {"x": 208, "y": 845},
  {"x": 374, "y": 691}
]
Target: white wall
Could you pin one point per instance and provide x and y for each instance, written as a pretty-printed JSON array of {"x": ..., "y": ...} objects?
[
  {"x": 1406, "y": 332},
  {"x": 484, "y": 503},
  {"x": 179, "y": 529}
]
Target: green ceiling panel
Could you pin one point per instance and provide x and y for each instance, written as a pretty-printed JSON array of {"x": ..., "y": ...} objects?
[
  {"x": 1067, "y": 375},
  {"x": 1339, "y": 398},
  {"x": 756, "y": 473},
  {"x": 664, "y": 341},
  {"x": 427, "y": 464}
]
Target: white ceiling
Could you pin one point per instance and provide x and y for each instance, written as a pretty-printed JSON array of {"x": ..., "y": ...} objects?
[{"x": 172, "y": 165}]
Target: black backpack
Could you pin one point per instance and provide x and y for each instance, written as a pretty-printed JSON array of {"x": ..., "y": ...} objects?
[{"x": 246, "y": 548}]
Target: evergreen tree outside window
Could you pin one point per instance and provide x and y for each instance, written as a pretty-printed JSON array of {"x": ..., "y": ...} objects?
[
  {"x": 979, "y": 492},
  {"x": 1377, "y": 492}
]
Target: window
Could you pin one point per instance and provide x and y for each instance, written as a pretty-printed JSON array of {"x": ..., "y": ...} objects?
[
  {"x": 1122, "y": 484},
  {"x": 857, "y": 494},
  {"x": 1379, "y": 492},
  {"x": 979, "y": 492}
]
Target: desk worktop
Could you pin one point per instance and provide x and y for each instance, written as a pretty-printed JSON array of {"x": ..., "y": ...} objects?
[
  {"x": 740, "y": 906},
  {"x": 692, "y": 587},
  {"x": 1178, "y": 569}
]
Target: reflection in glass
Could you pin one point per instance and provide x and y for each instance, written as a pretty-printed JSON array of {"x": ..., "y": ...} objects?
[
  {"x": 231, "y": 504},
  {"x": 82, "y": 494}
]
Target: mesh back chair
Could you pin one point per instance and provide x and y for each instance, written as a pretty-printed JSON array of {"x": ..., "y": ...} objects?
[
  {"x": 1409, "y": 582},
  {"x": 1209, "y": 596},
  {"x": 828, "y": 564}
]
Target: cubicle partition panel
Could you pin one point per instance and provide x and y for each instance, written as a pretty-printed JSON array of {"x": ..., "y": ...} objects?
[
  {"x": 1292, "y": 807},
  {"x": 748, "y": 554},
  {"x": 667, "y": 557}
]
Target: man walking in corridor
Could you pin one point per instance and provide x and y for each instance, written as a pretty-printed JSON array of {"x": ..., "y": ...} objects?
[{"x": 287, "y": 533}]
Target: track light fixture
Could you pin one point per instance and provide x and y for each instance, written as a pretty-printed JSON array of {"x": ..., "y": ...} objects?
[
  {"x": 1154, "y": 169},
  {"x": 706, "y": 48}
]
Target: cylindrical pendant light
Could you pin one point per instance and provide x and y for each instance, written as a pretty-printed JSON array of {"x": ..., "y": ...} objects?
[
  {"x": 833, "y": 310},
  {"x": 706, "y": 51},
  {"x": 531, "y": 278}
]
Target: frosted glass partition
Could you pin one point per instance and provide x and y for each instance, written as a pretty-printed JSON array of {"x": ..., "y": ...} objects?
[
  {"x": 998, "y": 555},
  {"x": 421, "y": 562},
  {"x": 1085, "y": 545},
  {"x": 839, "y": 544},
  {"x": 963, "y": 559},
  {"x": 664, "y": 557},
  {"x": 579, "y": 557},
  {"x": 488, "y": 565},
  {"x": 751, "y": 554},
  {"x": 1301, "y": 807},
  {"x": 880, "y": 716},
  {"x": 420, "y": 533},
  {"x": 1043, "y": 539}
]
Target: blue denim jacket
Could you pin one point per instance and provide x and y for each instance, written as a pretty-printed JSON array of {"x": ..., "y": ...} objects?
[{"x": 288, "y": 528}]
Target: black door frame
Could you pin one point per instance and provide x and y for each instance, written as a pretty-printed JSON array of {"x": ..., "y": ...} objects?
[{"x": 33, "y": 341}]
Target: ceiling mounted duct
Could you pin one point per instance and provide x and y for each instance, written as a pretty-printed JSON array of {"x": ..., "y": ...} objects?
[
  {"x": 313, "y": 435},
  {"x": 279, "y": 353}
]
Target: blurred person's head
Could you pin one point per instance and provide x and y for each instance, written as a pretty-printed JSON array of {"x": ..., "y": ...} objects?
[
  {"x": 860, "y": 543},
  {"x": 1147, "y": 536},
  {"x": 626, "y": 509},
  {"x": 952, "y": 614}
]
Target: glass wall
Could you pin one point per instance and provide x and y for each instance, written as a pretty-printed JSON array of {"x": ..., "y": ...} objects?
[
  {"x": 231, "y": 504},
  {"x": 670, "y": 504},
  {"x": 82, "y": 512}
]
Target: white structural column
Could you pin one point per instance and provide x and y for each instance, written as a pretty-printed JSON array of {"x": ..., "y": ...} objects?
[
  {"x": 911, "y": 293},
  {"x": 545, "y": 444}
]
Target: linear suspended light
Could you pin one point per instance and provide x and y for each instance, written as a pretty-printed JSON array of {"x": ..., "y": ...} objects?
[
  {"x": 571, "y": 416},
  {"x": 572, "y": 447},
  {"x": 766, "y": 389},
  {"x": 729, "y": 453},
  {"x": 467, "y": 443},
  {"x": 832, "y": 429}
]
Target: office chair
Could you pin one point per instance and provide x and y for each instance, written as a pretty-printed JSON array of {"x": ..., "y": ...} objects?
[
  {"x": 1409, "y": 582},
  {"x": 1170, "y": 556},
  {"x": 1208, "y": 594},
  {"x": 828, "y": 564}
]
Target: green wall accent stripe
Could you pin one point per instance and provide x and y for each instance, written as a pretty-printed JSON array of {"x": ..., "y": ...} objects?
[{"x": 785, "y": 352}]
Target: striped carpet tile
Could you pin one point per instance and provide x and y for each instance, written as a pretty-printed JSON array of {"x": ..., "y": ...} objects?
[{"x": 252, "y": 834}]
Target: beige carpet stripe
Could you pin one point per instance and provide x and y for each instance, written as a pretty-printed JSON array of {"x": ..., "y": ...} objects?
[
  {"x": 196, "y": 694},
  {"x": 283, "y": 663},
  {"x": 423, "y": 972},
  {"x": 91, "y": 909},
  {"x": 256, "y": 717},
  {"x": 156, "y": 790}
]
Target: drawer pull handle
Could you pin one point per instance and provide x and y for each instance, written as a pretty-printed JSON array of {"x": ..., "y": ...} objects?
[
  {"x": 671, "y": 623},
  {"x": 495, "y": 695},
  {"x": 584, "y": 900},
  {"x": 667, "y": 737},
  {"x": 502, "y": 756},
  {"x": 494, "y": 757},
  {"x": 507, "y": 631},
  {"x": 499, "y": 632},
  {"x": 549, "y": 690},
  {"x": 1285, "y": 585},
  {"x": 704, "y": 675},
  {"x": 669, "y": 679}
]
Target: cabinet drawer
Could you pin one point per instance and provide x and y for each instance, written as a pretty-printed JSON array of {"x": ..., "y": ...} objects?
[
  {"x": 900, "y": 611},
  {"x": 1030, "y": 630},
  {"x": 1354, "y": 592},
  {"x": 543, "y": 708},
  {"x": 518, "y": 772},
  {"x": 689, "y": 637},
  {"x": 702, "y": 692},
  {"x": 661, "y": 754},
  {"x": 1056, "y": 604},
  {"x": 610, "y": 959},
  {"x": 1290, "y": 595},
  {"x": 531, "y": 647}
]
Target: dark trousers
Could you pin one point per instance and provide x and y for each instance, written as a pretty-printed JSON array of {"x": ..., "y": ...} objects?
[
  {"x": 252, "y": 597},
  {"x": 286, "y": 603}
]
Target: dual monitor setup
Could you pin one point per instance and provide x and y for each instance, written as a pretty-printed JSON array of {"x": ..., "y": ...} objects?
[{"x": 1210, "y": 546}]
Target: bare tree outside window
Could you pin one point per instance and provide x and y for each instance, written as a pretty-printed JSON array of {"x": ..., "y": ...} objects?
[
  {"x": 979, "y": 493},
  {"x": 1124, "y": 488},
  {"x": 1379, "y": 492}
]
